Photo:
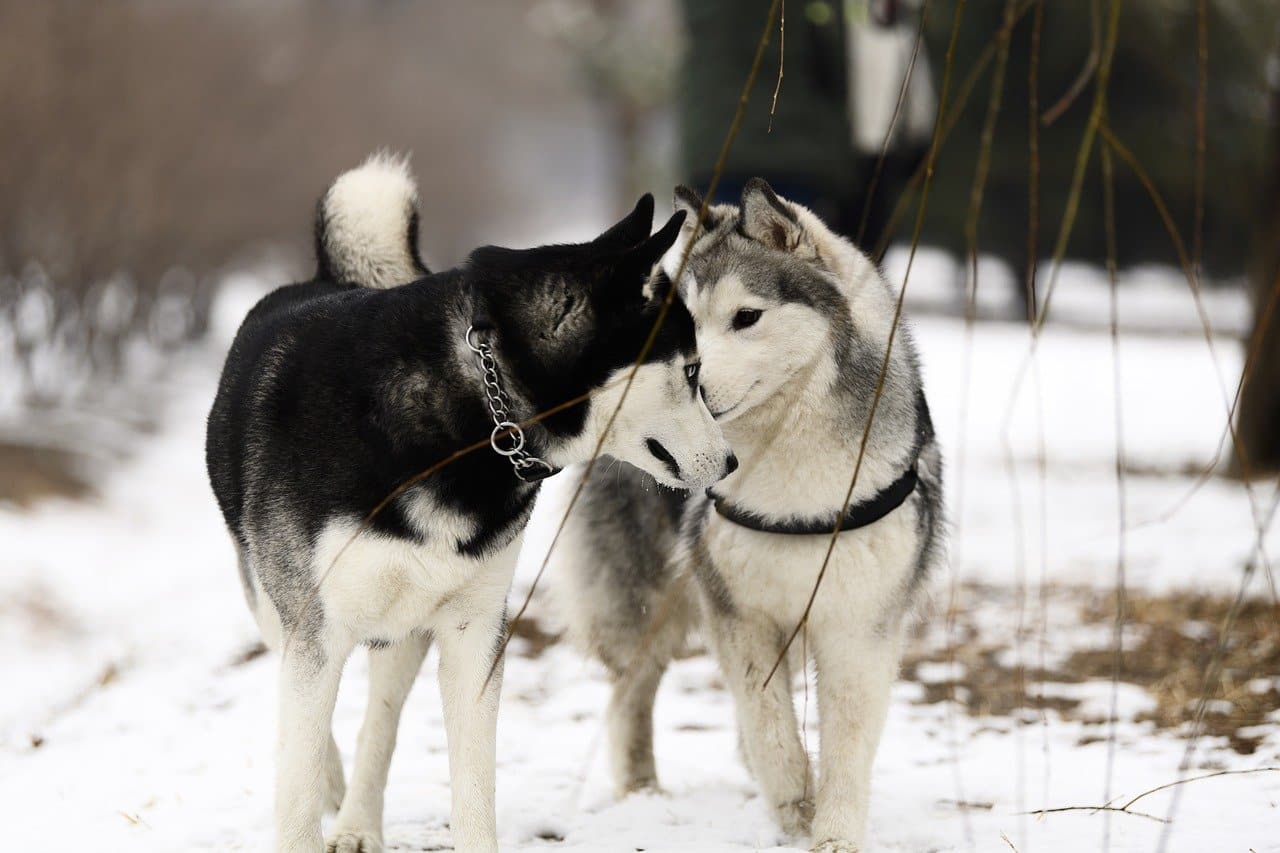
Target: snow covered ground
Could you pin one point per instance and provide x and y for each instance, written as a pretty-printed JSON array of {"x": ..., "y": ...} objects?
[{"x": 130, "y": 720}]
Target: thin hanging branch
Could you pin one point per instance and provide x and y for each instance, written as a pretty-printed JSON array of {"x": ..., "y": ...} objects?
[
  {"x": 893, "y": 124},
  {"x": 1117, "y": 634},
  {"x": 888, "y": 350},
  {"x": 963, "y": 93},
  {"x": 782, "y": 60},
  {"x": 1086, "y": 73},
  {"x": 1202, "y": 93},
  {"x": 1193, "y": 282},
  {"x": 734, "y": 127}
]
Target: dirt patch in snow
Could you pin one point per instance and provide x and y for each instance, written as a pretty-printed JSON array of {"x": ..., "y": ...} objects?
[{"x": 1063, "y": 642}]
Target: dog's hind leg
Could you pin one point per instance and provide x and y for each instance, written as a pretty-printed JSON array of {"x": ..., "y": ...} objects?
[
  {"x": 630, "y": 723},
  {"x": 854, "y": 679},
  {"x": 747, "y": 646},
  {"x": 309, "y": 675},
  {"x": 392, "y": 671}
]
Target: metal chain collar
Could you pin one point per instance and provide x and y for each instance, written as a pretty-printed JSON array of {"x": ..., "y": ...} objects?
[{"x": 528, "y": 467}]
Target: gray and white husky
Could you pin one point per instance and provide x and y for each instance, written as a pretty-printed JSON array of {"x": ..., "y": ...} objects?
[
  {"x": 338, "y": 391},
  {"x": 792, "y": 324}
]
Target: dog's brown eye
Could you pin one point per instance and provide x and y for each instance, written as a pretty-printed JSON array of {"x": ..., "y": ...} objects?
[{"x": 746, "y": 317}]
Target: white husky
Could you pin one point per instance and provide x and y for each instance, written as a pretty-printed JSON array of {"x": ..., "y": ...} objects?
[{"x": 792, "y": 325}]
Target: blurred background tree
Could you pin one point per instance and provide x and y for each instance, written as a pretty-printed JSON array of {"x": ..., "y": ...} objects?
[
  {"x": 1151, "y": 99},
  {"x": 152, "y": 147},
  {"x": 1259, "y": 425}
]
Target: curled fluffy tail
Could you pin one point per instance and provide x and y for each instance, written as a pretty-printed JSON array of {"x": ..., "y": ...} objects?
[{"x": 367, "y": 225}]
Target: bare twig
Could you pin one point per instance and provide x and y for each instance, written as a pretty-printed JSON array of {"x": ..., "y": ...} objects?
[
  {"x": 1117, "y": 636},
  {"x": 963, "y": 92},
  {"x": 1211, "y": 676},
  {"x": 782, "y": 60},
  {"x": 1193, "y": 281},
  {"x": 1086, "y": 73},
  {"x": 1095, "y": 809},
  {"x": 1251, "y": 359},
  {"x": 1202, "y": 91},
  {"x": 1083, "y": 155},
  {"x": 1213, "y": 775},
  {"x": 1033, "y": 158},
  {"x": 888, "y": 351},
  {"x": 721, "y": 160},
  {"x": 893, "y": 124},
  {"x": 1127, "y": 808},
  {"x": 975, "y": 202},
  {"x": 1042, "y": 465}
]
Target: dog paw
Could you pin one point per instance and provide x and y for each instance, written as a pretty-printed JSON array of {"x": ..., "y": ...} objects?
[
  {"x": 835, "y": 845},
  {"x": 646, "y": 788},
  {"x": 353, "y": 841},
  {"x": 795, "y": 817}
]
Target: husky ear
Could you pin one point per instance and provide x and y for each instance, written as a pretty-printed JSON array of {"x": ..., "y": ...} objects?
[
  {"x": 767, "y": 218},
  {"x": 631, "y": 231},
  {"x": 651, "y": 251},
  {"x": 690, "y": 202},
  {"x": 633, "y": 272}
]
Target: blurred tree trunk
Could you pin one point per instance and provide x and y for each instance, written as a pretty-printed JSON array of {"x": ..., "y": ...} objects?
[{"x": 1259, "y": 421}]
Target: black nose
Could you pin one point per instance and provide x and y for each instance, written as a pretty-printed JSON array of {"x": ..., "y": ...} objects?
[{"x": 730, "y": 464}]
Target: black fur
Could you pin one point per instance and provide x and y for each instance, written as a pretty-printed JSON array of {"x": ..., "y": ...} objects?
[{"x": 334, "y": 395}]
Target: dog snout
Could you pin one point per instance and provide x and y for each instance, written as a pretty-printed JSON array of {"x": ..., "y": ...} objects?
[
  {"x": 730, "y": 464},
  {"x": 664, "y": 456}
]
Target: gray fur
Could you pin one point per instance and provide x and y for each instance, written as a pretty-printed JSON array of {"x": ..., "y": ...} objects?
[{"x": 623, "y": 550}]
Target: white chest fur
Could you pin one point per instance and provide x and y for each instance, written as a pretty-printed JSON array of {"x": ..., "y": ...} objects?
[
  {"x": 866, "y": 577},
  {"x": 384, "y": 588}
]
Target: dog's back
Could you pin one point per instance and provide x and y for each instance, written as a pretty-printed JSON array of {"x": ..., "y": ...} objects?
[{"x": 285, "y": 344}]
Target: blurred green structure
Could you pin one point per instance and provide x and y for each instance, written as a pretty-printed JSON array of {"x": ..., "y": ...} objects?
[{"x": 1152, "y": 97}]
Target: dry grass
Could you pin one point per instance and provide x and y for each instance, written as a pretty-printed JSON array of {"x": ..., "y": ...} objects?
[
  {"x": 1170, "y": 641},
  {"x": 1181, "y": 632}
]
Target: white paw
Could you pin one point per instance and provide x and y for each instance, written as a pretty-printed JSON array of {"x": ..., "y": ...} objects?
[
  {"x": 353, "y": 841},
  {"x": 795, "y": 817},
  {"x": 648, "y": 788},
  {"x": 835, "y": 845}
]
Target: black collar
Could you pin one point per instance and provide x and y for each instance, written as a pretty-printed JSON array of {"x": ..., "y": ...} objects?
[{"x": 858, "y": 515}]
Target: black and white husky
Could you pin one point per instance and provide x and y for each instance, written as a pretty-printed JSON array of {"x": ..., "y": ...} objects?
[
  {"x": 338, "y": 390},
  {"x": 792, "y": 324}
]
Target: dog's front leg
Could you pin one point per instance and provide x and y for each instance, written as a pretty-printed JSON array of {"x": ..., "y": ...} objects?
[
  {"x": 854, "y": 678},
  {"x": 309, "y": 675},
  {"x": 747, "y": 646},
  {"x": 469, "y": 636},
  {"x": 392, "y": 671}
]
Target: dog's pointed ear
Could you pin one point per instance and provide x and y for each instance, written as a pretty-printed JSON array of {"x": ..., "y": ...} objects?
[
  {"x": 631, "y": 231},
  {"x": 651, "y": 251},
  {"x": 691, "y": 203},
  {"x": 767, "y": 218}
]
